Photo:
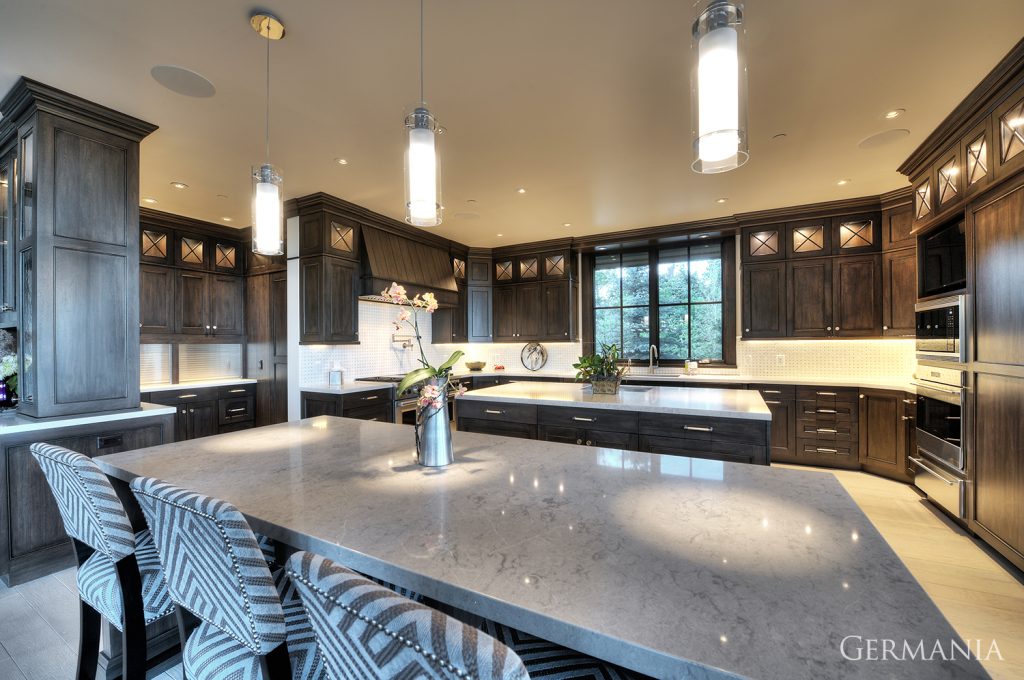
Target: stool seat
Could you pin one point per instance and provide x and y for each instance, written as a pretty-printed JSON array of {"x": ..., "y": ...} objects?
[{"x": 99, "y": 586}]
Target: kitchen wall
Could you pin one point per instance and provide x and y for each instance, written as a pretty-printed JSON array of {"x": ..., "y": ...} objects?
[{"x": 820, "y": 359}]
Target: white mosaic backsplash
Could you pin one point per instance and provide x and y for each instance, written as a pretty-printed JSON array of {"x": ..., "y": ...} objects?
[{"x": 812, "y": 359}]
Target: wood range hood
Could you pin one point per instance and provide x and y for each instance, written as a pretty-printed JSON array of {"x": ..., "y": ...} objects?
[{"x": 389, "y": 258}]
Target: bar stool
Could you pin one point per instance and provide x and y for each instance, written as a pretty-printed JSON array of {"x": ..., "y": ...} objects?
[
  {"x": 251, "y": 622},
  {"x": 368, "y": 631},
  {"x": 119, "y": 575}
]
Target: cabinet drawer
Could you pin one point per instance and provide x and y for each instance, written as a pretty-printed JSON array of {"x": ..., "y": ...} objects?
[
  {"x": 503, "y": 428},
  {"x": 829, "y": 449},
  {"x": 183, "y": 396},
  {"x": 732, "y": 452},
  {"x": 511, "y": 413},
  {"x": 235, "y": 410},
  {"x": 235, "y": 391},
  {"x": 235, "y": 427},
  {"x": 776, "y": 392},
  {"x": 826, "y": 410},
  {"x": 381, "y": 413},
  {"x": 703, "y": 429},
  {"x": 588, "y": 418},
  {"x": 368, "y": 398},
  {"x": 843, "y": 395},
  {"x": 832, "y": 432}
]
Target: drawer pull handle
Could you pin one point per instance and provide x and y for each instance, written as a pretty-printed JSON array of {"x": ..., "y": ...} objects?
[
  {"x": 580, "y": 419},
  {"x": 109, "y": 441},
  {"x": 696, "y": 428},
  {"x": 828, "y": 429},
  {"x": 376, "y": 396},
  {"x": 824, "y": 450},
  {"x": 910, "y": 401},
  {"x": 907, "y": 417},
  {"x": 238, "y": 391},
  {"x": 776, "y": 403},
  {"x": 826, "y": 394},
  {"x": 494, "y": 411},
  {"x": 952, "y": 417},
  {"x": 825, "y": 410},
  {"x": 187, "y": 396},
  {"x": 772, "y": 391},
  {"x": 241, "y": 409},
  {"x": 921, "y": 465}
]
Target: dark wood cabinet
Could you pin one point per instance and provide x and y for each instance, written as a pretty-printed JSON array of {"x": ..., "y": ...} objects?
[
  {"x": 197, "y": 419},
  {"x": 764, "y": 300},
  {"x": 529, "y": 314},
  {"x": 322, "y": 232},
  {"x": 209, "y": 304},
  {"x": 584, "y": 437},
  {"x": 8, "y": 236},
  {"x": 479, "y": 309},
  {"x": 366, "y": 405},
  {"x": 559, "y": 311},
  {"x": 328, "y": 305},
  {"x": 763, "y": 243},
  {"x": 504, "y": 313},
  {"x": 227, "y": 305},
  {"x": 897, "y": 223},
  {"x": 857, "y": 296},
  {"x": 809, "y": 238},
  {"x": 450, "y": 324},
  {"x": 315, "y": 404},
  {"x": 899, "y": 292},
  {"x": 781, "y": 401},
  {"x": 859, "y": 233},
  {"x": 156, "y": 300},
  {"x": 809, "y": 298},
  {"x": 266, "y": 347},
  {"x": 883, "y": 427},
  {"x": 192, "y": 311},
  {"x": 206, "y": 411}
]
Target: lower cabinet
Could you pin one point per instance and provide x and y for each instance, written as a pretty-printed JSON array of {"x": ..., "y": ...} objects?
[
  {"x": 32, "y": 538},
  {"x": 883, "y": 433},
  {"x": 196, "y": 419},
  {"x": 583, "y": 437},
  {"x": 367, "y": 405},
  {"x": 208, "y": 411},
  {"x": 781, "y": 401}
]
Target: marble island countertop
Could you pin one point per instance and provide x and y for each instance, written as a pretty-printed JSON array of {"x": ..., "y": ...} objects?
[
  {"x": 671, "y": 566},
  {"x": 12, "y": 422},
  {"x": 703, "y": 401}
]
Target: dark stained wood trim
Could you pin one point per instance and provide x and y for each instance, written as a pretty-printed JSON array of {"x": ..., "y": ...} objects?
[
  {"x": 172, "y": 221},
  {"x": 897, "y": 197},
  {"x": 1007, "y": 75},
  {"x": 810, "y": 211},
  {"x": 533, "y": 247}
]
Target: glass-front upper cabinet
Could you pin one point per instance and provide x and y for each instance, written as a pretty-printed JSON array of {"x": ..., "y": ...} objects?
[{"x": 8, "y": 211}]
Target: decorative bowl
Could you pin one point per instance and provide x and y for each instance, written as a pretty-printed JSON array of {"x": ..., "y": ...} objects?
[{"x": 475, "y": 365}]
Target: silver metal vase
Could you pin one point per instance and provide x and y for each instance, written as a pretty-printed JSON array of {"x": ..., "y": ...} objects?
[{"x": 434, "y": 437}]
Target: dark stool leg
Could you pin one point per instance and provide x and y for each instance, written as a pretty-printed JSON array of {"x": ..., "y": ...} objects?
[
  {"x": 90, "y": 623},
  {"x": 133, "y": 632},
  {"x": 276, "y": 665}
]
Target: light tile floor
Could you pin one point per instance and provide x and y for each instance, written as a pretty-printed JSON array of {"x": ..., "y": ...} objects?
[{"x": 981, "y": 598}]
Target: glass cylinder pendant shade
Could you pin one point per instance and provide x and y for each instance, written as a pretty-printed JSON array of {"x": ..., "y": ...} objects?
[
  {"x": 719, "y": 89},
  {"x": 422, "y": 170},
  {"x": 267, "y": 211}
]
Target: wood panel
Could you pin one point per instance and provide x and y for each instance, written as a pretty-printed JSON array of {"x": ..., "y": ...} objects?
[
  {"x": 764, "y": 300},
  {"x": 899, "y": 292},
  {"x": 311, "y": 299},
  {"x": 897, "y": 223},
  {"x": 227, "y": 304},
  {"x": 857, "y": 296},
  {"x": 89, "y": 171},
  {"x": 809, "y": 284},
  {"x": 342, "y": 313},
  {"x": 529, "y": 312},
  {"x": 192, "y": 302},
  {"x": 883, "y": 434},
  {"x": 156, "y": 299},
  {"x": 504, "y": 314},
  {"x": 557, "y": 312}
]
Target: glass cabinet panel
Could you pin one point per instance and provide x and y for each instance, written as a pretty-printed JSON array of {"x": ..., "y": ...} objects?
[
  {"x": 923, "y": 200},
  {"x": 977, "y": 160},
  {"x": 809, "y": 239},
  {"x": 1011, "y": 132},
  {"x": 764, "y": 243},
  {"x": 27, "y": 199}
]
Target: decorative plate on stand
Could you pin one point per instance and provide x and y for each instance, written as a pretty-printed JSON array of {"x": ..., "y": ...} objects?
[{"x": 534, "y": 356}]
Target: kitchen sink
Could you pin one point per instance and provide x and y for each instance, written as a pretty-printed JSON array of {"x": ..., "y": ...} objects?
[{"x": 635, "y": 388}]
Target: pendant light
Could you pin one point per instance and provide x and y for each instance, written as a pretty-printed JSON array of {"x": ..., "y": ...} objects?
[
  {"x": 267, "y": 183},
  {"x": 719, "y": 89},
  {"x": 422, "y": 162}
]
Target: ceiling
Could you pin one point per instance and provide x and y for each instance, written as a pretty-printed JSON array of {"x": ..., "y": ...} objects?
[{"x": 584, "y": 103}]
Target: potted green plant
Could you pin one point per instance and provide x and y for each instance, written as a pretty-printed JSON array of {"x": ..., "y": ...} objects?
[
  {"x": 433, "y": 436},
  {"x": 602, "y": 370}
]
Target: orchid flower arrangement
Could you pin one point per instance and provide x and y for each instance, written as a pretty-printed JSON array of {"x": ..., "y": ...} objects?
[{"x": 433, "y": 394}]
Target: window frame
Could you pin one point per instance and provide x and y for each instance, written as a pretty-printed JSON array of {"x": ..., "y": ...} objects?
[{"x": 728, "y": 245}]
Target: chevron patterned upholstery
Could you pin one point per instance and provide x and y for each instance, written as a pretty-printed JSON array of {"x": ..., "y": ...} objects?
[
  {"x": 99, "y": 586},
  {"x": 215, "y": 568},
  {"x": 90, "y": 508},
  {"x": 367, "y": 631}
]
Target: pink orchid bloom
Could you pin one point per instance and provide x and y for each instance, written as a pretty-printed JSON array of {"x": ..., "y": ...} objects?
[
  {"x": 429, "y": 302},
  {"x": 437, "y": 403},
  {"x": 404, "y": 316}
]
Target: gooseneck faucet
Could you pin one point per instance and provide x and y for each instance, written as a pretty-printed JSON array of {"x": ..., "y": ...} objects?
[{"x": 653, "y": 356}]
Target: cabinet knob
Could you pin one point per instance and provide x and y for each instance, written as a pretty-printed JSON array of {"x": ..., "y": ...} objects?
[
  {"x": 579, "y": 441},
  {"x": 215, "y": 328},
  {"x": 746, "y": 330},
  {"x": 588, "y": 442},
  {"x": 885, "y": 328},
  {"x": 829, "y": 328},
  {"x": 191, "y": 410},
  {"x": 837, "y": 328}
]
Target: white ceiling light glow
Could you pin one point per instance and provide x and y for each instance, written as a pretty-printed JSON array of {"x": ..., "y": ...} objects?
[
  {"x": 422, "y": 161},
  {"x": 719, "y": 89},
  {"x": 267, "y": 198}
]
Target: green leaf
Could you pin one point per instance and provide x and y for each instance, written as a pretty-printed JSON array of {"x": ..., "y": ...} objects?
[
  {"x": 415, "y": 377},
  {"x": 452, "y": 360}
]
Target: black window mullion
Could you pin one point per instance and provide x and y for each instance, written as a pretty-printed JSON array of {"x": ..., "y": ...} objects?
[
  {"x": 689, "y": 305},
  {"x": 653, "y": 311}
]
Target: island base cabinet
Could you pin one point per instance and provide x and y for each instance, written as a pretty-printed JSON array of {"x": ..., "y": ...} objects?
[
  {"x": 583, "y": 437},
  {"x": 498, "y": 427},
  {"x": 730, "y": 452}
]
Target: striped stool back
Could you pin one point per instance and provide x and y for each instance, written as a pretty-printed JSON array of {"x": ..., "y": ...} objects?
[
  {"x": 367, "y": 631},
  {"x": 90, "y": 508},
  {"x": 213, "y": 564}
]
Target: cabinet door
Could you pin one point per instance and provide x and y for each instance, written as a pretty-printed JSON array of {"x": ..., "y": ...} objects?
[
  {"x": 810, "y": 298},
  {"x": 859, "y": 233},
  {"x": 562, "y": 435},
  {"x": 478, "y": 303},
  {"x": 529, "y": 312},
  {"x": 1009, "y": 136},
  {"x": 8, "y": 247},
  {"x": 311, "y": 299},
  {"x": 612, "y": 440},
  {"x": 193, "y": 303},
  {"x": 460, "y": 318},
  {"x": 783, "y": 424},
  {"x": 156, "y": 300},
  {"x": 999, "y": 279},
  {"x": 764, "y": 300},
  {"x": 763, "y": 243},
  {"x": 341, "y": 280},
  {"x": 809, "y": 238},
  {"x": 227, "y": 307},
  {"x": 504, "y": 314},
  {"x": 202, "y": 419},
  {"x": 998, "y": 465},
  {"x": 899, "y": 292},
  {"x": 857, "y": 296},
  {"x": 896, "y": 225},
  {"x": 314, "y": 405},
  {"x": 557, "y": 315},
  {"x": 883, "y": 434}
]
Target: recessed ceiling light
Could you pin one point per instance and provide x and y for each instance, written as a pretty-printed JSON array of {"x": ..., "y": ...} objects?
[
  {"x": 520, "y": 190},
  {"x": 567, "y": 224},
  {"x": 341, "y": 161},
  {"x": 226, "y": 219},
  {"x": 470, "y": 200},
  {"x": 179, "y": 185},
  {"x": 149, "y": 200},
  {"x": 722, "y": 200},
  {"x": 499, "y": 234},
  {"x": 895, "y": 113},
  {"x": 843, "y": 182}
]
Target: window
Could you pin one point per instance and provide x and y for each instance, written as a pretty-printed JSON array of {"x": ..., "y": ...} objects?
[{"x": 677, "y": 298}]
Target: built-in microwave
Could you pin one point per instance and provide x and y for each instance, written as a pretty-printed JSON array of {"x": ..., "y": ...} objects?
[
  {"x": 941, "y": 326},
  {"x": 942, "y": 260}
]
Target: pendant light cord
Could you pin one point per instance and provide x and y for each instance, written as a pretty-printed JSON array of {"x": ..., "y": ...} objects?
[
  {"x": 422, "y": 99},
  {"x": 267, "y": 134}
]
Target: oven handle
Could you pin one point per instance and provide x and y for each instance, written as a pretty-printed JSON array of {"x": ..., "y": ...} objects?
[
  {"x": 924, "y": 466},
  {"x": 950, "y": 396}
]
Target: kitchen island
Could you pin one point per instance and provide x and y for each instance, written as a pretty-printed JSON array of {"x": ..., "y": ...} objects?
[
  {"x": 670, "y": 566},
  {"x": 719, "y": 424}
]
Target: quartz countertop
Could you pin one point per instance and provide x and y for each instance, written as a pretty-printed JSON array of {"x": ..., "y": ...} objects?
[
  {"x": 195, "y": 384},
  {"x": 703, "y": 401},
  {"x": 670, "y": 566},
  {"x": 347, "y": 387},
  {"x": 12, "y": 422}
]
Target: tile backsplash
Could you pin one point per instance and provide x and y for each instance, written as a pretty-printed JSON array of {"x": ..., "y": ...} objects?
[{"x": 377, "y": 354}]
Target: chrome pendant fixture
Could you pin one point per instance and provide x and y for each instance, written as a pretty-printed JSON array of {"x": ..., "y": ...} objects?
[
  {"x": 267, "y": 184},
  {"x": 718, "y": 89},
  {"x": 422, "y": 161}
]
